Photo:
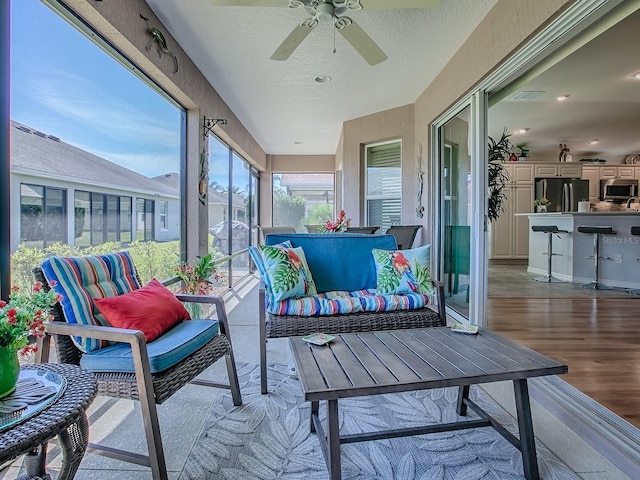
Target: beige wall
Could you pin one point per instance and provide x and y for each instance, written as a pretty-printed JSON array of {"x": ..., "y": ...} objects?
[{"x": 396, "y": 123}]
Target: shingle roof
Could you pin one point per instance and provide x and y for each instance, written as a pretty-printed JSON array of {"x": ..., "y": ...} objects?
[{"x": 37, "y": 153}]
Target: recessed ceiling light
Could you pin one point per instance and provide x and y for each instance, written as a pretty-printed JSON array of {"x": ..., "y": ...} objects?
[
  {"x": 593, "y": 142},
  {"x": 636, "y": 76},
  {"x": 322, "y": 78},
  {"x": 298, "y": 143},
  {"x": 562, "y": 98},
  {"x": 522, "y": 130}
]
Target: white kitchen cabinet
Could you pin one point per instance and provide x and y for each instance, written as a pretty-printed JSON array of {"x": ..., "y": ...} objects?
[
  {"x": 617, "y": 171},
  {"x": 593, "y": 175},
  {"x": 565, "y": 170},
  {"x": 509, "y": 234},
  {"x": 637, "y": 172}
]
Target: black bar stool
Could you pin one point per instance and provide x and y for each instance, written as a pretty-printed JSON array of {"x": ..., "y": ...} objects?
[
  {"x": 550, "y": 230},
  {"x": 635, "y": 230},
  {"x": 596, "y": 231}
]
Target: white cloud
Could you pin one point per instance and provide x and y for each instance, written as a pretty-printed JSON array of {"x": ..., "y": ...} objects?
[{"x": 73, "y": 97}]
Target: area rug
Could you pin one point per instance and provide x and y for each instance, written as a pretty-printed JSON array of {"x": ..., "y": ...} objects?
[{"x": 268, "y": 438}]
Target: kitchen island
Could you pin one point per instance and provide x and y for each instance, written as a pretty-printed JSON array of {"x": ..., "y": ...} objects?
[{"x": 620, "y": 268}]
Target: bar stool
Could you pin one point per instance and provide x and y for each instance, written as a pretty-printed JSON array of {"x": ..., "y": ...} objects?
[
  {"x": 635, "y": 230},
  {"x": 596, "y": 231},
  {"x": 550, "y": 230}
]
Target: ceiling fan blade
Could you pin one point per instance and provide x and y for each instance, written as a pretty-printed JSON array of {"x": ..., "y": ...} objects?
[
  {"x": 294, "y": 39},
  {"x": 250, "y": 3},
  {"x": 359, "y": 40},
  {"x": 387, "y": 5}
]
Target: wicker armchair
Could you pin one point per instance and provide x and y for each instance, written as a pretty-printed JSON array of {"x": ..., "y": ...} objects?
[
  {"x": 144, "y": 384},
  {"x": 405, "y": 235},
  {"x": 363, "y": 230}
]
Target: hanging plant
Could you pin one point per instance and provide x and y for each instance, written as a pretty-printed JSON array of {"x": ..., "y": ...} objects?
[{"x": 498, "y": 178}]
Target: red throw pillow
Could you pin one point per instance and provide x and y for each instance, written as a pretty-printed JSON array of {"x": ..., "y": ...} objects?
[{"x": 153, "y": 309}]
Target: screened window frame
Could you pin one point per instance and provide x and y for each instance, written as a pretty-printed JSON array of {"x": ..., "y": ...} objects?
[{"x": 368, "y": 197}]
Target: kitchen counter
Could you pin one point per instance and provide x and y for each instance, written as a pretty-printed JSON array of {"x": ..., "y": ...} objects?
[{"x": 619, "y": 268}]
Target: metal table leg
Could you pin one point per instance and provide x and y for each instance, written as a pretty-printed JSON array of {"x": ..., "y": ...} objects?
[
  {"x": 333, "y": 440},
  {"x": 525, "y": 427}
]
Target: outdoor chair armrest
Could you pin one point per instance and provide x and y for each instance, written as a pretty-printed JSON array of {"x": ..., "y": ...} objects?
[{"x": 221, "y": 310}]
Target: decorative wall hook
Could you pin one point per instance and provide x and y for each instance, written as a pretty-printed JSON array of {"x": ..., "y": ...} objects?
[
  {"x": 209, "y": 123},
  {"x": 161, "y": 43},
  {"x": 420, "y": 208}
]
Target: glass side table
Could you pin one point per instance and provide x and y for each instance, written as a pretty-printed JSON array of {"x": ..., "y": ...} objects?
[{"x": 63, "y": 416}]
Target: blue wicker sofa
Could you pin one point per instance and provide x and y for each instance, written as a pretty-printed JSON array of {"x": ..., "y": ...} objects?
[{"x": 343, "y": 265}]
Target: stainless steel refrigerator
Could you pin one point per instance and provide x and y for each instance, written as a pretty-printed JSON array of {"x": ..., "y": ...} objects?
[{"x": 563, "y": 193}]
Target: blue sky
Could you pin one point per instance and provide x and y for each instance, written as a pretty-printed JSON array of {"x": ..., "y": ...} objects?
[{"x": 64, "y": 85}]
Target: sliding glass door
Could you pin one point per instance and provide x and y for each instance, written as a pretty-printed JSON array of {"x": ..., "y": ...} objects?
[{"x": 460, "y": 181}]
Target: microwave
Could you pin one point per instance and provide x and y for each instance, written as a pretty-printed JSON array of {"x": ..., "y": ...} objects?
[{"x": 618, "y": 189}]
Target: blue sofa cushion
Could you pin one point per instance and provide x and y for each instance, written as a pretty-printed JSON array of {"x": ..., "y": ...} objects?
[
  {"x": 339, "y": 261},
  {"x": 164, "y": 352}
]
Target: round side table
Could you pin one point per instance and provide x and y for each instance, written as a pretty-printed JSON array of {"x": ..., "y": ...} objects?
[{"x": 65, "y": 418}]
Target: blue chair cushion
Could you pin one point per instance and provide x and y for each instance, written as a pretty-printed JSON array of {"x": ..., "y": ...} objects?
[
  {"x": 339, "y": 261},
  {"x": 164, "y": 352}
]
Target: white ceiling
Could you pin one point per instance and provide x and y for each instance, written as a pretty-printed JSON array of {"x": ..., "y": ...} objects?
[
  {"x": 279, "y": 102},
  {"x": 603, "y": 103}
]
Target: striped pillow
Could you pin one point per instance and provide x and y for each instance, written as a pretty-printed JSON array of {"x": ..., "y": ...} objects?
[{"x": 81, "y": 279}]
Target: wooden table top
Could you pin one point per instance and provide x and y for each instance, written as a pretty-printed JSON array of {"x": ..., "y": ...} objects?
[{"x": 358, "y": 364}]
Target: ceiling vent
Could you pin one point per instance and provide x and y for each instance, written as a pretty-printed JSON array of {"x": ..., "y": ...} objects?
[{"x": 528, "y": 95}]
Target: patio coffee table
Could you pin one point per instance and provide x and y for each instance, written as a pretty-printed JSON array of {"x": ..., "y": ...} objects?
[{"x": 361, "y": 364}]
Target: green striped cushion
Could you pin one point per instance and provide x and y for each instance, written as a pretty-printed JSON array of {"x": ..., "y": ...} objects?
[{"x": 81, "y": 279}]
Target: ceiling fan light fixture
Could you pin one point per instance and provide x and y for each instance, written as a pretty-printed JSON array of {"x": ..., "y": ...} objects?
[
  {"x": 562, "y": 98},
  {"x": 522, "y": 131},
  {"x": 636, "y": 75},
  {"x": 322, "y": 79}
]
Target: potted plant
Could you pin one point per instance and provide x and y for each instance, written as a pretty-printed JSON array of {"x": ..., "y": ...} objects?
[
  {"x": 541, "y": 205},
  {"x": 498, "y": 150},
  {"x": 339, "y": 225},
  {"x": 21, "y": 318},
  {"x": 524, "y": 152},
  {"x": 197, "y": 280}
]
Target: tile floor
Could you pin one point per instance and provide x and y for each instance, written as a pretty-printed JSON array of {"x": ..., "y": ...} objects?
[{"x": 119, "y": 423}]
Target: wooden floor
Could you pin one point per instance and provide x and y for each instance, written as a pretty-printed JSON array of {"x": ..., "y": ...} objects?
[{"x": 598, "y": 338}]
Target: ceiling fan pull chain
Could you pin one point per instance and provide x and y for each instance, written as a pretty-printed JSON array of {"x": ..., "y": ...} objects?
[{"x": 334, "y": 39}]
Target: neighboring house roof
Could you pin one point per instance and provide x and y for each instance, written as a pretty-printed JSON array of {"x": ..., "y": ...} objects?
[
  {"x": 170, "y": 179},
  {"x": 36, "y": 153},
  {"x": 217, "y": 197}
]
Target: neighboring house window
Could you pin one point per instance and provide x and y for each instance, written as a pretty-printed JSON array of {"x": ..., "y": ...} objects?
[
  {"x": 383, "y": 186},
  {"x": 43, "y": 215},
  {"x": 301, "y": 199},
  {"x": 144, "y": 219},
  {"x": 164, "y": 208},
  {"x": 101, "y": 218}
]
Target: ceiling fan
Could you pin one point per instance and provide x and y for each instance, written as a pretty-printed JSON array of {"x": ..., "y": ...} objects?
[{"x": 332, "y": 10}]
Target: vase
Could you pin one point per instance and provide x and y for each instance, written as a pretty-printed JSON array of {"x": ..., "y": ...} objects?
[{"x": 9, "y": 370}]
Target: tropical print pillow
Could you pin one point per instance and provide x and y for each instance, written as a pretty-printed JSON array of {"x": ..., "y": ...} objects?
[
  {"x": 258, "y": 259},
  {"x": 287, "y": 272},
  {"x": 403, "y": 271}
]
